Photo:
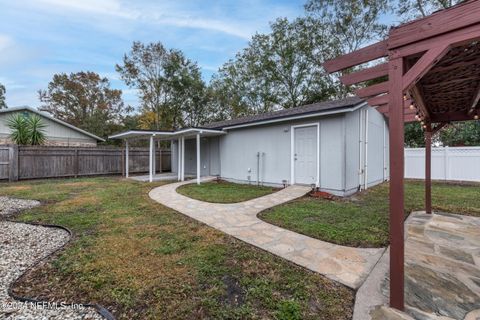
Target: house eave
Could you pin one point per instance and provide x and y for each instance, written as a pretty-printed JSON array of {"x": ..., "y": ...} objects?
[{"x": 297, "y": 117}]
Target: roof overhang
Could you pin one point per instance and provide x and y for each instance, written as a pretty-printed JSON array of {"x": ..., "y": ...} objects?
[
  {"x": 298, "y": 117},
  {"x": 167, "y": 135}
]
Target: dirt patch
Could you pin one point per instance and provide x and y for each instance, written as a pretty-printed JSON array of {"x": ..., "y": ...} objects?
[{"x": 234, "y": 293}]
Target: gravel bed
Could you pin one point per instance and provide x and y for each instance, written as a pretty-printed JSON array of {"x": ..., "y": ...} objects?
[
  {"x": 10, "y": 206},
  {"x": 21, "y": 246}
]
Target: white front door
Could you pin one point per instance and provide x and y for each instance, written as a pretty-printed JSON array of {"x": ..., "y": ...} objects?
[{"x": 305, "y": 155}]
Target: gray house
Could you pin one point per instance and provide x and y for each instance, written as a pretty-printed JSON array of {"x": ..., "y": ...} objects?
[
  {"x": 57, "y": 132},
  {"x": 339, "y": 146}
]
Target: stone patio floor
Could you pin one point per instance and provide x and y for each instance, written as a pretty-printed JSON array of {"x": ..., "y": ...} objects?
[
  {"x": 442, "y": 272},
  {"x": 347, "y": 265}
]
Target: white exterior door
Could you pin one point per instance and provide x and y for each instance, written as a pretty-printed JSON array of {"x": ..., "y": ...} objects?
[{"x": 305, "y": 155}]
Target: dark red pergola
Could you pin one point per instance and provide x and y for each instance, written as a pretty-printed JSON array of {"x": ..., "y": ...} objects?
[{"x": 433, "y": 76}]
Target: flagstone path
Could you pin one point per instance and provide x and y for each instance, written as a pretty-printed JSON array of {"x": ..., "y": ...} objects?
[
  {"x": 347, "y": 265},
  {"x": 442, "y": 272}
]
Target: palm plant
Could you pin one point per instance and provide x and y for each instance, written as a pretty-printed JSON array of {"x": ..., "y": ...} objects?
[
  {"x": 26, "y": 130},
  {"x": 19, "y": 127},
  {"x": 36, "y": 130}
]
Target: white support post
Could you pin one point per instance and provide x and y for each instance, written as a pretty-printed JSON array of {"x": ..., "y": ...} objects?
[
  {"x": 198, "y": 158},
  {"x": 179, "y": 162},
  {"x": 150, "y": 160},
  {"x": 183, "y": 160},
  {"x": 154, "y": 159},
  {"x": 160, "y": 157},
  {"x": 126, "y": 158}
]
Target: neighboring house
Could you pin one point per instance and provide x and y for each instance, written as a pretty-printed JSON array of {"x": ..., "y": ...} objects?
[
  {"x": 57, "y": 132},
  {"x": 340, "y": 146}
]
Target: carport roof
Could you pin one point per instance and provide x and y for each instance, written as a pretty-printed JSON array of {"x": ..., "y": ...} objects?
[{"x": 166, "y": 134}]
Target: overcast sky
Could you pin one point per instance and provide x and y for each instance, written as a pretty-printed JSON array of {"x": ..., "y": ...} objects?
[{"x": 39, "y": 38}]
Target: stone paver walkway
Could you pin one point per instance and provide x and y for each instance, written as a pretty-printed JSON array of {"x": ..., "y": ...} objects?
[
  {"x": 349, "y": 266},
  {"x": 442, "y": 272}
]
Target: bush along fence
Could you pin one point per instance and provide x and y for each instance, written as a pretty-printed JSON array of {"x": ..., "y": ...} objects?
[
  {"x": 448, "y": 163},
  {"x": 34, "y": 162}
]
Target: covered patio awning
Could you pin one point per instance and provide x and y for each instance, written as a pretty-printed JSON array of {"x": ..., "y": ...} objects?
[
  {"x": 431, "y": 75},
  {"x": 166, "y": 135}
]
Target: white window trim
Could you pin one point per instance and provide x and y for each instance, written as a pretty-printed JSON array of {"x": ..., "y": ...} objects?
[{"x": 292, "y": 151}]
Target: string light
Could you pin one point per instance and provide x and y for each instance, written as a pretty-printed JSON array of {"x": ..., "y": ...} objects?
[
  {"x": 412, "y": 106},
  {"x": 417, "y": 116},
  {"x": 475, "y": 117}
]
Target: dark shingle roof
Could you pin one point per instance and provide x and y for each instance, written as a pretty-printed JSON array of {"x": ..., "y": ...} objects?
[{"x": 286, "y": 113}]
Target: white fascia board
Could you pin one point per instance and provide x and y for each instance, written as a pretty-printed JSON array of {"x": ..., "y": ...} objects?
[
  {"x": 138, "y": 134},
  {"x": 304, "y": 116}
]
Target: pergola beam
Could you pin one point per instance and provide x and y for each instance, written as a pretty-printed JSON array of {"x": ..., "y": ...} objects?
[
  {"x": 476, "y": 98},
  {"x": 372, "y": 90},
  {"x": 416, "y": 94},
  {"x": 455, "y": 38},
  {"x": 375, "y": 72},
  {"x": 423, "y": 65},
  {"x": 378, "y": 100},
  {"x": 441, "y": 22},
  {"x": 454, "y": 116},
  {"x": 369, "y": 53}
]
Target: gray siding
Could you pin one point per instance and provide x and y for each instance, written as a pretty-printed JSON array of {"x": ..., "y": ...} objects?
[
  {"x": 209, "y": 156},
  {"x": 239, "y": 150},
  {"x": 352, "y": 135},
  {"x": 54, "y": 131},
  {"x": 234, "y": 156},
  {"x": 332, "y": 154},
  {"x": 375, "y": 172}
]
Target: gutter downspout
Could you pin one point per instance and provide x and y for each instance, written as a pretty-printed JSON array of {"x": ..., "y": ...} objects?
[
  {"x": 366, "y": 149},
  {"x": 258, "y": 168},
  {"x": 360, "y": 151}
]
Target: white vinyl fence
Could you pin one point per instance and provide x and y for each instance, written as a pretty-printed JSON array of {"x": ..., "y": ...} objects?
[{"x": 448, "y": 163}]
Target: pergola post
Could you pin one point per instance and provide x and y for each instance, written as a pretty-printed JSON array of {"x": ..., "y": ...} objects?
[
  {"x": 126, "y": 158},
  {"x": 396, "y": 114},
  {"x": 182, "y": 175},
  {"x": 179, "y": 154},
  {"x": 198, "y": 158},
  {"x": 150, "y": 160},
  {"x": 428, "y": 169}
]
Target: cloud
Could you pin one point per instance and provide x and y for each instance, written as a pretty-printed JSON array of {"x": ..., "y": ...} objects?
[
  {"x": 103, "y": 7},
  {"x": 167, "y": 15},
  {"x": 5, "y": 42}
]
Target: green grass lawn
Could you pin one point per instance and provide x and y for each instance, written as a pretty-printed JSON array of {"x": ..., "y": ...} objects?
[
  {"x": 362, "y": 220},
  {"x": 142, "y": 260},
  {"x": 224, "y": 192}
]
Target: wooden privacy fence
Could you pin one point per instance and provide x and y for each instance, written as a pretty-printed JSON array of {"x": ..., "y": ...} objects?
[
  {"x": 448, "y": 163},
  {"x": 29, "y": 162}
]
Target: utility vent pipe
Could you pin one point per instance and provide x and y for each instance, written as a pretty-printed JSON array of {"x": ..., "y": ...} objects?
[{"x": 258, "y": 168}]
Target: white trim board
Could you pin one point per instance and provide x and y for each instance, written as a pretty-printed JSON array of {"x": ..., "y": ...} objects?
[{"x": 292, "y": 151}]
